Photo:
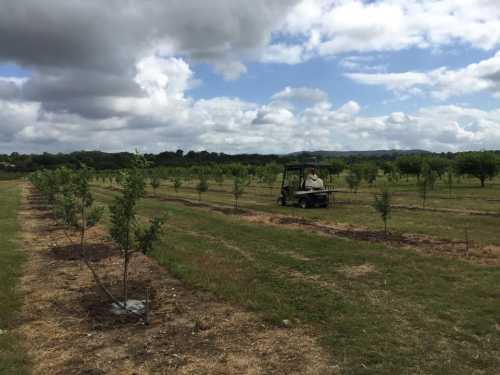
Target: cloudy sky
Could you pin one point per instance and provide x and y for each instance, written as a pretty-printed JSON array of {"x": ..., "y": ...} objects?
[{"x": 268, "y": 76}]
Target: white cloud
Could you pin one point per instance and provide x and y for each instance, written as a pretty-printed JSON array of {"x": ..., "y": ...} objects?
[
  {"x": 283, "y": 53},
  {"x": 302, "y": 94},
  {"x": 118, "y": 79},
  {"x": 332, "y": 27},
  {"x": 230, "y": 70},
  {"x": 232, "y": 125},
  {"x": 362, "y": 64},
  {"x": 442, "y": 82}
]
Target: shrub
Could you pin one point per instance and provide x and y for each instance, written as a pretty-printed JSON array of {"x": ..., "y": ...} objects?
[{"x": 382, "y": 203}]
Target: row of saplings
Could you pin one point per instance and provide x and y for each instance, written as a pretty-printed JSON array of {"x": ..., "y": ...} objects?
[
  {"x": 68, "y": 194},
  {"x": 240, "y": 182}
]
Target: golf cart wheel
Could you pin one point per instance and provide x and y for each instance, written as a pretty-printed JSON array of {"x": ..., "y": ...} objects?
[{"x": 303, "y": 203}]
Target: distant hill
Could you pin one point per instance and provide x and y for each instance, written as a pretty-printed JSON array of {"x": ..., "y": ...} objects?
[{"x": 374, "y": 153}]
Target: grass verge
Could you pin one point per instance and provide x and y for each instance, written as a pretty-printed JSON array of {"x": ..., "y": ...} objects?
[{"x": 12, "y": 359}]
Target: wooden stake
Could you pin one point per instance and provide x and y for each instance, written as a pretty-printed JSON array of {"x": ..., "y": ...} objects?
[{"x": 146, "y": 308}]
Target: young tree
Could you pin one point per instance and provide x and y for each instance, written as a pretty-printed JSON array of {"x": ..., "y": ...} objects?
[
  {"x": 438, "y": 165},
  {"x": 353, "y": 181},
  {"x": 382, "y": 204},
  {"x": 482, "y": 165},
  {"x": 336, "y": 166},
  {"x": 449, "y": 180},
  {"x": 155, "y": 182},
  {"x": 202, "y": 186},
  {"x": 177, "y": 183},
  {"x": 426, "y": 182},
  {"x": 239, "y": 185},
  {"x": 270, "y": 176},
  {"x": 125, "y": 229},
  {"x": 76, "y": 210},
  {"x": 219, "y": 176},
  {"x": 370, "y": 172},
  {"x": 409, "y": 165}
]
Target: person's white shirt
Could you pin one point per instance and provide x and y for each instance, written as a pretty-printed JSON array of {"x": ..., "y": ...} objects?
[{"x": 313, "y": 182}]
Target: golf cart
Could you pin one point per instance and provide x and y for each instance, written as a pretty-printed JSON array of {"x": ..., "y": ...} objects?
[{"x": 301, "y": 186}]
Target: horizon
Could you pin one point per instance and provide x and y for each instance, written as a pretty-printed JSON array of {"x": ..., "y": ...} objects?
[
  {"x": 267, "y": 77},
  {"x": 382, "y": 151}
]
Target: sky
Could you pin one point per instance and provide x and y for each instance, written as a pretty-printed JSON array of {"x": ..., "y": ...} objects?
[{"x": 239, "y": 76}]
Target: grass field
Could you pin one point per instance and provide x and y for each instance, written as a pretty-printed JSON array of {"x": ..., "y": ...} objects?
[
  {"x": 12, "y": 360},
  {"x": 378, "y": 310},
  {"x": 356, "y": 209}
]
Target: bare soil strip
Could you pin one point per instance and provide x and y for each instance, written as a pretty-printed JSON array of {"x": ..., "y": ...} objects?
[
  {"x": 487, "y": 255},
  {"x": 67, "y": 328}
]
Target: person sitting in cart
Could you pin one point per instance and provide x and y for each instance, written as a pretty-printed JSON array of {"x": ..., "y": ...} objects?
[{"x": 313, "y": 182}]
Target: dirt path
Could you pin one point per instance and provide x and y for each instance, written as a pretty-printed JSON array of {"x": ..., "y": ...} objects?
[
  {"x": 487, "y": 255},
  {"x": 67, "y": 328}
]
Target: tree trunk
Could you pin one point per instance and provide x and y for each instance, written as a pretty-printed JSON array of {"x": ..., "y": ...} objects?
[{"x": 482, "y": 181}]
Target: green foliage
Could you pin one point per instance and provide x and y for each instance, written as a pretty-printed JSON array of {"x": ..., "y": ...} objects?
[
  {"x": 155, "y": 182},
  {"x": 202, "y": 186},
  {"x": 270, "y": 176},
  {"x": 219, "y": 175},
  {"x": 123, "y": 209},
  {"x": 68, "y": 193},
  {"x": 426, "y": 182},
  {"x": 409, "y": 165},
  {"x": 125, "y": 229},
  {"x": 482, "y": 165},
  {"x": 239, "y": 185},
  {"x": 147, "y": 236},
  {"x": 438, "y": 165},
  {"x": 391, "y": 171},
  {"x": 382, "y": 203},
  {"x": 370, "y": 172},
  {"x": 449, "y": 179},
  {"x": 177, "y": 183},
  {"x": 353, "y": 180},
  {"x": 336, "y": 166}
]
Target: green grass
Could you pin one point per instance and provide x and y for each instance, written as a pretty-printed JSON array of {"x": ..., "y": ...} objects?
[
  {"x": 12, "y": 359},
  {"x": 356, "y": 209},
  {"x": 412, "y": 314}
]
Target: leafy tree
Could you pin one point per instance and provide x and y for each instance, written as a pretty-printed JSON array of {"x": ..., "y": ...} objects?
[
  {"x": 387, "y": 167},
  {"x": 219, "y": 176},
  {"x": 336, "y": 166},
  {"x": 270, "y": 175},
  {"x": 382, "y": 203},
  {"x": 125, "y": 229},
  {"x": 482, "y": 165},
  {"x": 239, "y": 185},
  {"x": 353, "y": 181},
  {"x": 155, "y": 182},
  {"x": 76, "y": 210},
  {"x": 449, "y": 180},
  {"x": 426, "y": 182},
  {"x": 202, "y": 186},
  {"x": 370, "y": 172},
  {"x": 391, "y": 171},
  {"x": 410, "y": 165},
  {"x": 438, "y": 165},
  {"x": 177, "y": 183}
]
